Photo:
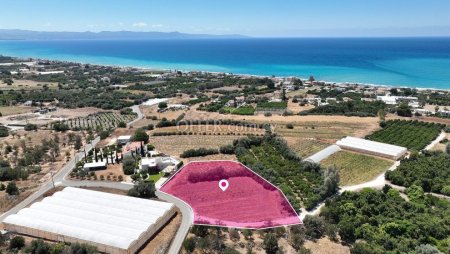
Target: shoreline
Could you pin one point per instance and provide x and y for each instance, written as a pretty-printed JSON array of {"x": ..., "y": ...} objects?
[{"x": 326, "y": 82}]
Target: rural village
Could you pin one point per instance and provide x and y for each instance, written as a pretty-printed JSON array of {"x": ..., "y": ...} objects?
[{"x": 362, "y": 167}]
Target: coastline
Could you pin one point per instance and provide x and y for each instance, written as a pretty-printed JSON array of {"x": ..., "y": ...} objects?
[{"x": 157, "y": 69}]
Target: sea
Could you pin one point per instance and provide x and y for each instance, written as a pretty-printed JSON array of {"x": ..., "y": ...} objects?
[{"x": 403, "y": 62}]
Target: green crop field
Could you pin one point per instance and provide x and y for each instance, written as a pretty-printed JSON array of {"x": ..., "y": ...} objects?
[
  {"x": 307, "y": 147},
  {"x": 413, "y": 135},
  {"x": 244, "y": 110},
  {"x": 356, "y": 168},
  {"x": 272, "y": 105}
]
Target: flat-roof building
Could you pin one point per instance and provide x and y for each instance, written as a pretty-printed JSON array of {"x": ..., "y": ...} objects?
[
  {"x": 110, "y": 222},
  {"x": 100, "y": 165},
  {"x": 122, "y": 140}
]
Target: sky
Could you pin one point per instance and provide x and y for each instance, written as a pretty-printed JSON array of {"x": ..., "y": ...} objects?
[{"x": 258, "y": 18}]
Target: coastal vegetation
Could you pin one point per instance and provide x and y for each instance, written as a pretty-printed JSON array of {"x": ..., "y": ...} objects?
[
  {"x": 103, "y": 98},
  {"x": 383, "y": 222},
  {"x": 413, "y": 135},
  {"x": 429, "y": 170}
]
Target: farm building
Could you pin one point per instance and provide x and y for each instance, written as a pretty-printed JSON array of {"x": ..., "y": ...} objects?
[
  {"x": 372, "y": 148},
  {"x": 101, "y": 165},
  {"x": 122, "y": 140},
  {"x": 113, "y": 223}
]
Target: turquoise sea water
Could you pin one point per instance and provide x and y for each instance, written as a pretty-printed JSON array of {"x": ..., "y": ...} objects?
[{"x": 412, "y": 62}]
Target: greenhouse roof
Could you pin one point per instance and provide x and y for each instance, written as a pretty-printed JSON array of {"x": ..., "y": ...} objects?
[
  {"x": 99, "y": 217},
  {"x": 372, "y": 146}
]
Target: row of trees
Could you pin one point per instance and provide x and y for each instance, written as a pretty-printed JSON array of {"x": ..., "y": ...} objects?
[
  {"x": 304, "y": 184},
  {"x": 411, "y": 134},
  {"x": 430, "y": 170},
  {"x": 209, "y": 239},
  {"x": 75, "y": 98},
  {"x": 18, "y": 245},
  {"x": 349, "y": 108}
]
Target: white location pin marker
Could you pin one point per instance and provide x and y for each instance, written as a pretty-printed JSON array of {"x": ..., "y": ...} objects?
[{"x": 223, "y": 185}]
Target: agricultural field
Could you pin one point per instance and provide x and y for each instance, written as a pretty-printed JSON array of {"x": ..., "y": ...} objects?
[
  {"x": 272, "y": 105},
  {"x": 27, "y": 85},
  {"x": 306, "y": 147},
  {"x": 430, "y": 170},
  {"x": 176, "y": 145},
  {"x": 216, "y": 130},
  {"x": 240, "y": 205},
  {"x": 302, "y": 183},
  {"x": 14, "y": 110},
  {"x": 356, "y": 168},
  {"x": 244, "y": 110},
  {"x": 103, "y": 120},
  {"x": 330, "y": 131},
  {"x": 413, "y": 135}
]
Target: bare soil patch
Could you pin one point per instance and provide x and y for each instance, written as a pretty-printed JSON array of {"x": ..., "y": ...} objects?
[
  {"x": 326, "y": 246},
  {"x": 176, "y": 145},
  {"x": 14, "y": 110},
  {"x": 161, "y": 241}
]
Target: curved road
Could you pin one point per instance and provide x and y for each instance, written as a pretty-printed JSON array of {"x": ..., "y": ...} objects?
[{"x": 139, "y": 113}]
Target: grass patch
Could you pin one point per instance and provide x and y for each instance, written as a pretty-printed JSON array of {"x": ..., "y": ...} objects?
[
  {"x": 244, "y": 110},
  {"x": 272, "y": 105},
  {"x": 156, "y": 177},
  {"x": 410, "y": 134},
  {"x": 356, "y": 168},
  {"x": 14, "y": 110}
]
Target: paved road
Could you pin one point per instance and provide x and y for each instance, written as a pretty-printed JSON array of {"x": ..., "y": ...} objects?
[
  {"x": 139, "y": 113},
  {"x": 186, "y": 222}
]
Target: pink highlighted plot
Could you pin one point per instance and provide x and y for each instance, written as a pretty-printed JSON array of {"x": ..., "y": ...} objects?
[{"x": 226, "y": 193}]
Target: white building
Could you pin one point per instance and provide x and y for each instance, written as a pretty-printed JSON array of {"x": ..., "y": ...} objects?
[
  {"x": 100, "y": 165},
  {"x": 394, "y": 100},
  {"x": 122, "y": 140},
  {"x": 149, "y": 164},
  {"x": 157, "y": 163}
]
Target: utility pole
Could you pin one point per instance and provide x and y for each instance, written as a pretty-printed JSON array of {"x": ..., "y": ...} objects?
[{"x": 53, "y": 182}]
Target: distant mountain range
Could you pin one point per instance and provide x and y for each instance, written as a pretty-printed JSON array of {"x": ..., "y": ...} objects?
[{"x": 13, "y": 34}]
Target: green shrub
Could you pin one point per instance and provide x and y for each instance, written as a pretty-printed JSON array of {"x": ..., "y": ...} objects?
[
  {"x": 17, "y": 243},
  {"x": 200, "y": 152}
]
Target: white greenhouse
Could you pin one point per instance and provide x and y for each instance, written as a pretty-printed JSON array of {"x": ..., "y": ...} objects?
[
  {"x": 113, "y": 223},
  {"x": 392, "y": 152}
]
